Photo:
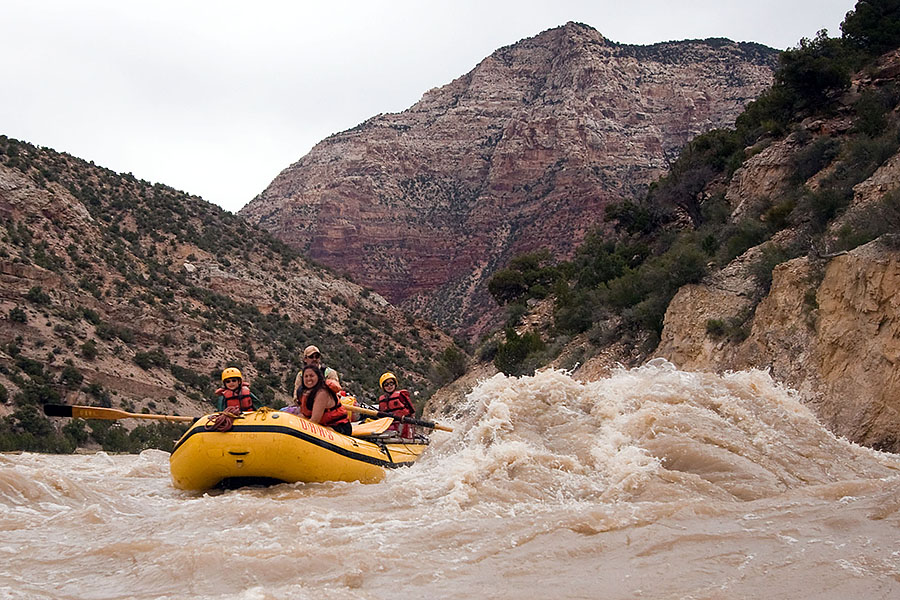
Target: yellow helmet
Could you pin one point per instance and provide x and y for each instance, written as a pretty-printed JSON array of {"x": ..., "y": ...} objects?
[
  {"x": 385, "y": 377},
  {"x": 231, "y": 372}
]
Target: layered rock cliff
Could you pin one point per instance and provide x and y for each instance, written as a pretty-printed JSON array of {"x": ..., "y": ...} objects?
[
  {"x": 523, "y": 152},
  {"x": 829, "y": 325},
  {"x": 828, "y": 329}
]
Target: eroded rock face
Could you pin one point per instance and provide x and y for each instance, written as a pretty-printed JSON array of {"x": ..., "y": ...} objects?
[
  {"x": 523, "y": 152},
  {"x": 828, "y": 325},
  {"x": 828, "y": 328},
  {"x": 858, "y": 345}
]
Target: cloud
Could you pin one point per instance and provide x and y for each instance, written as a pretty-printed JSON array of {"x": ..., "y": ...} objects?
[{"x": 216, "y": 98}]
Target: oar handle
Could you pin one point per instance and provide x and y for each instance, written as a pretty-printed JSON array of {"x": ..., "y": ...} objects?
[{"x": 407, "y": 420}]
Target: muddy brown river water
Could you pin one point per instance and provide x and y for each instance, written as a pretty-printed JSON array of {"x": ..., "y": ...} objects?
[{"x": 653, "y": 483}]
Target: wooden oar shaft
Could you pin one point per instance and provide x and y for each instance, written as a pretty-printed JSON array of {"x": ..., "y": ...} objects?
[
  {"x": 107, "y": 414},
  {"x": 407, "y": 420}
]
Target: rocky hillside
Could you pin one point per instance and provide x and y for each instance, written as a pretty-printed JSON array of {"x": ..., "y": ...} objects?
[
  {"x": 523, "y": 152},
  {"x": 772, "y": 245},
  {"x": 829, "y": 324},
  {"x": 116, "y": 292}
]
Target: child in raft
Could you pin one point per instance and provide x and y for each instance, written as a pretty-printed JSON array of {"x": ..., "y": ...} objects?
[
  {"x": 235, "y": 393},
  {"x": 396, "y": 402}
]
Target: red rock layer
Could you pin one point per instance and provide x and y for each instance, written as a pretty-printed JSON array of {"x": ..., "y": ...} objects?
[{"x": 523, "y": 152}]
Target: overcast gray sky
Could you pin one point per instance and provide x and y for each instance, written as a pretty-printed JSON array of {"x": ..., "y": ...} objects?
[{"x": 215, "y": 98}]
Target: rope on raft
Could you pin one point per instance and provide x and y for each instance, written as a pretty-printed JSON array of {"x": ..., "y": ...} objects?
[{"x": 224, "y": 420}]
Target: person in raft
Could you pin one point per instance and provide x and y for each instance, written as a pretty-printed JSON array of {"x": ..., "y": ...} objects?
[
  {"x": 312, "y": 357},
  {"x": 397, "y": 403},
  {"x": 318, "y": 402},
  {"x": 235, "y": 393}
]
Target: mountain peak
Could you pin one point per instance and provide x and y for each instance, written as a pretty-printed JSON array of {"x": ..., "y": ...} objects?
[{"x": 522, "y": 152}]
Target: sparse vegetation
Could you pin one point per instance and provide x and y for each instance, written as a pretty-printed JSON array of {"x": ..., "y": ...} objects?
[
  {"x": 127, "y": 257},
  {"x": 628, "y": 276}
]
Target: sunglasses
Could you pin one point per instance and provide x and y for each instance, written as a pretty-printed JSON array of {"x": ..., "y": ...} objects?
[
  {"x": 230, "y": 379},
  {"x": 314, "y": 355}
]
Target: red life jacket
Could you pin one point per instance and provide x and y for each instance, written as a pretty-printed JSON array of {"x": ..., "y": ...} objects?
[
  {"x": 239, "y": 398},
  {"x": 399, "y": 404},
  {"x": 332, "y": 416}
]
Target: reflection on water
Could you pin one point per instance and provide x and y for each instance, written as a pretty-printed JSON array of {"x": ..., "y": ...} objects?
[{"x": 653, "y": 483}]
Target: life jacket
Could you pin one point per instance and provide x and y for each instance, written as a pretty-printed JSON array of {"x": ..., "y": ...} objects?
[
  {"x": 331, "y": 382},
  {"x": 331, "y": 379},
  {"x": 399, "y": 404},
  {"x": 239, "y": 398},
  {"x": 332, "y": 416},
  {"x": 333, "y": 385}
]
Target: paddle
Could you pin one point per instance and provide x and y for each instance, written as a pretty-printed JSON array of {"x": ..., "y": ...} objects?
[
  {"x": 108, "y": 414},
  {"x": 407, "y": 420},
  {"x": 371, "y": 427}
]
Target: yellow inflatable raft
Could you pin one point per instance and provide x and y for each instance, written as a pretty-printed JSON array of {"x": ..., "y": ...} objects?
[{"x": 275, "y": 446}]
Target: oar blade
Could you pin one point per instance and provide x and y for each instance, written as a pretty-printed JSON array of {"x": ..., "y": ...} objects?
[
  {"x": 378, "y": 413},
  {"x": 57, "y": 410},
  {"x": 371, "y": 427}
]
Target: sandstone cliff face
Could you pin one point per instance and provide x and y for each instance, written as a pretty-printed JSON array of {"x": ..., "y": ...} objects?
[
  {"x": 828, "y": 325},
  {"x": 521, "y": 153},
  {"x": 828, "y": 329}
]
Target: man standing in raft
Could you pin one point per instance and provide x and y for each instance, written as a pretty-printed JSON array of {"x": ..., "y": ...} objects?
[{"x": 312, "y": 357}]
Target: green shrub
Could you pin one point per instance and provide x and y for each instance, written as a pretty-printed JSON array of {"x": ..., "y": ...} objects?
[
  {"x": 872, "y": 112},
  {"x": 515, "y": 311},
  {"x": 76, "y": 430},
  {"x": 90, "y": 315},
  {"x": 863, "y": 227},
  {"x": 873, "y": 26},
  {"x": 813, "y": 69},
  {"x": 526, "y": 276},
  {"x": 740, "y": 237},
  {"x": 37, "y": 295},
  {"x": 574, "y": 311},
  {"x": 191, "y": 378},
  {"x": 89, "y": 350},
  {"x": 454, "y": 361},
  {"x": 151, "y": 358},
  {"x": 813, "y": 158},
  {"x": 71, "y": 377},
  {"x": 488, "y": 350},
  {"x": 26, "y": 429},
  {"x": 734, "y": 329},
  {"x": 511, "y": 354},
  {"x": 824, "y": 205}
]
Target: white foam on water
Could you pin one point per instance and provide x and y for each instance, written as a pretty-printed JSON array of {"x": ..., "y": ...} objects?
[{"x": 547, "y": 487}]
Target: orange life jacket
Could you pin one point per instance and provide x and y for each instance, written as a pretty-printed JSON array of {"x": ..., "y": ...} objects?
[
  {"x": 332, "y": 416},
  {"x": 239, "y": 398},
  {"x": 399, "y": 404}
]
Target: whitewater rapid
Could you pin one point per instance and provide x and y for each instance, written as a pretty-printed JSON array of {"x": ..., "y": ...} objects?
[{"x": 652, "y": 483}]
